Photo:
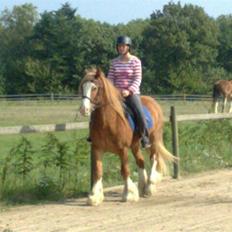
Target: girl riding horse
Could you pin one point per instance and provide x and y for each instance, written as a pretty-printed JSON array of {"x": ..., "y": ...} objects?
[{"x": 110, "y": 131}]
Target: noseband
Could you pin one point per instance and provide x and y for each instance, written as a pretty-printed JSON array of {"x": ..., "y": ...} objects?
[{"x": 92, "y": 102}]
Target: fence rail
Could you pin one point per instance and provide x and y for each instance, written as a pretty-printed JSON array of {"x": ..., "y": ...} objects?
[
  {"x": 84, "y": 125},
  {"x": 38, "y": 97},
  {"x": 43, "y": 128},
  {"x": 57, "y": 97}
]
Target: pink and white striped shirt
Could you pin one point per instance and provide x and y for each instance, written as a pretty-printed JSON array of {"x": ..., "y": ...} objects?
[{"x": 126, "y": 75}]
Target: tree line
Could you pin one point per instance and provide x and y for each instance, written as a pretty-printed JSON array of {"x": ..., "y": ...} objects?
[{"x": 183, "y": 50}]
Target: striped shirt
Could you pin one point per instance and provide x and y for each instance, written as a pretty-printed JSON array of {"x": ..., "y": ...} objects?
[{"x": 126, "y": 75}]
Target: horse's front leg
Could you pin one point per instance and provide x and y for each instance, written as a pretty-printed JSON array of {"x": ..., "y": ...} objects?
[
  {"x": 130, "y": 192},
  {"x": 96, "y": 196}
]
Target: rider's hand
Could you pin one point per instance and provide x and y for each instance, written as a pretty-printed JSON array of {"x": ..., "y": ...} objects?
[{"x": 125, "y": 93}]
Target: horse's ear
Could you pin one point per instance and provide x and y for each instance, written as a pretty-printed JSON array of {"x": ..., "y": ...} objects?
[{"x": 98, "y": 72}]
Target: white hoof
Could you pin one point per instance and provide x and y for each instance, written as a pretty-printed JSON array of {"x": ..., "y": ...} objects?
[
  {"x": 130, "y": 196},
  {"x": 155, "y": 178},
  {"x": 150, "y": 190},
  {"x": 97, "y": 195},
  {"x": 95, "y": 200},
  {"x": 130, "y": 193}
]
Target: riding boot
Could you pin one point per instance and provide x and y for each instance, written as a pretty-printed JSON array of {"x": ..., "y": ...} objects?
[{"x": 145, "y": 141}]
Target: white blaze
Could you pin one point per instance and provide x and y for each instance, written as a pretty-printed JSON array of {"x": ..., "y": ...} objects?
[{"x": 85, "y": 108}]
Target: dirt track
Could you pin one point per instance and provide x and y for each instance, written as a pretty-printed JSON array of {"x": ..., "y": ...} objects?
[{"x": 200, "y": 203}]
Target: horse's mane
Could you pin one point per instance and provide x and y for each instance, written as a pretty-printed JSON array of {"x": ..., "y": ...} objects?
[{"x": 111, "y": 94}]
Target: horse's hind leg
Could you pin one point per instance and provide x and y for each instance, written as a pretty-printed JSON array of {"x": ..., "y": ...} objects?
[
  {"x": 224, "y": 104},
  {"x": 215, "y": 106},
  {"x": 96, "y": 196},
  {"x": 230, "y": 110},
  {"x": 142, "y": 182},
  {"x": 130, "y": 192},
  {"x": 155, "y": 175}
]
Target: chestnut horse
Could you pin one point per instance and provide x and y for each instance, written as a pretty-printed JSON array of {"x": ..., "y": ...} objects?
[
  {"x": 222, "y": 88},
  {"x": 111, "y": 132}
]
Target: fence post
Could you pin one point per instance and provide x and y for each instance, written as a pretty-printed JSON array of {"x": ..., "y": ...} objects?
[
  {"x": 52, "y": 96},
  {"x": 175, "y": 141}
]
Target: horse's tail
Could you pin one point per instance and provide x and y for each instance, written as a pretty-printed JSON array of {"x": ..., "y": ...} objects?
[{"x": 164, "y": 155}]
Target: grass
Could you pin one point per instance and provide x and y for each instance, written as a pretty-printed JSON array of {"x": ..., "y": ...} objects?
[
  {"x": 38, "y": 112},
  {"x": 48, "y": 112},
  {"x": 203, "y": 146},
  {"x": 8, "y": 141},
  {"x": 44, "y": 168}
]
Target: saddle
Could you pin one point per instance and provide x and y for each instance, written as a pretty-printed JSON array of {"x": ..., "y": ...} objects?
[{"x": 131, "y": 117}]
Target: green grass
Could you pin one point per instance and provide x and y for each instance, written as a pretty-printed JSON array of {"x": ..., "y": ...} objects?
[
  {"x": 39, "y": 185},
  {"x": 205, "y": 146},
  {"x": 37, "y": 139},
  {"x": 48, "y": 112},
  {"x": 38, "y": 112},
  {"x": 66, "y": 172},
  {"x": 202, "y": 147},
  {"x": 24, "y": 178}
]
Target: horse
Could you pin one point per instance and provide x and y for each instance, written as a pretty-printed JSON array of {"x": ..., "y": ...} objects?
[
  {"x": 110, "y": 132},
  {"x": 222, "y": 88}
]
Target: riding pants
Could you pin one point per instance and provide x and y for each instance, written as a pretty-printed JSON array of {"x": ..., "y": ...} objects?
[{"x": 135, "y": 104}]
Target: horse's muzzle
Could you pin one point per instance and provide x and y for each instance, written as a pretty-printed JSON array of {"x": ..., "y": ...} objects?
[{"x": 84, "y": 111}]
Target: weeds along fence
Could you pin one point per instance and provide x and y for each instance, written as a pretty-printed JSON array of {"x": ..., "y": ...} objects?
[{"x": 174, "y": 119}]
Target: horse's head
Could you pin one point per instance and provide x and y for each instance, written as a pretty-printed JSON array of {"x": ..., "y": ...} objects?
[{"x": 90, "y": 87}]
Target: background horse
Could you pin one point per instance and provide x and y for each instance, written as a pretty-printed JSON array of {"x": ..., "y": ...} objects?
[
  {"x": 222, "y": 88},
  {"x": 111, "y": 132}
]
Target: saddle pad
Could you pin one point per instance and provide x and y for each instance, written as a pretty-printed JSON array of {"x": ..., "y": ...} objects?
[{"x": 148, "y": 117}]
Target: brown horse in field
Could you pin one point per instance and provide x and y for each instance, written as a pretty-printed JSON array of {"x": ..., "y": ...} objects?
[
  {"x": 222, "y": 88},
  {"x": 111, "y": 132}
]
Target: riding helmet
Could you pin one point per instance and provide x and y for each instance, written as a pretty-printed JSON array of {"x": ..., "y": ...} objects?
[{"x": 124, "y": 40}]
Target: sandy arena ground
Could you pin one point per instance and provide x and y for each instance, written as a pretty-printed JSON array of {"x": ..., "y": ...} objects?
[{"x": 201, "y": 203}]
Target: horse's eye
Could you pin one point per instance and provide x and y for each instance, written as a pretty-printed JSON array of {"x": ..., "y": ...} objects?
[{"x": 94, "y": 88}]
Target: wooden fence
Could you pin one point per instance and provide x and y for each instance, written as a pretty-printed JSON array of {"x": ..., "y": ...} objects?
[
  {"x": 62, "y": 97},
  {"x": 43, "y": 128},
  {"x": 174, "y": 119}
]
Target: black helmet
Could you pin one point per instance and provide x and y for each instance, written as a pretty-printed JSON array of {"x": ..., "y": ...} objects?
[{"x": 124, "y": 40}]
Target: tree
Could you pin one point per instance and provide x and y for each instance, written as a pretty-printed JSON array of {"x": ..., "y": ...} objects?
[
  {"x": 225, "y": 42},
  {"x": 180, "y": 44},
  {"x": 54, "y": 43},
  {"x": 16, "y": 27}
]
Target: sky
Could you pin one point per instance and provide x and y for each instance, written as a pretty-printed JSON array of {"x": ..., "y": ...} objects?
[{"x": 120, "y": 11}]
